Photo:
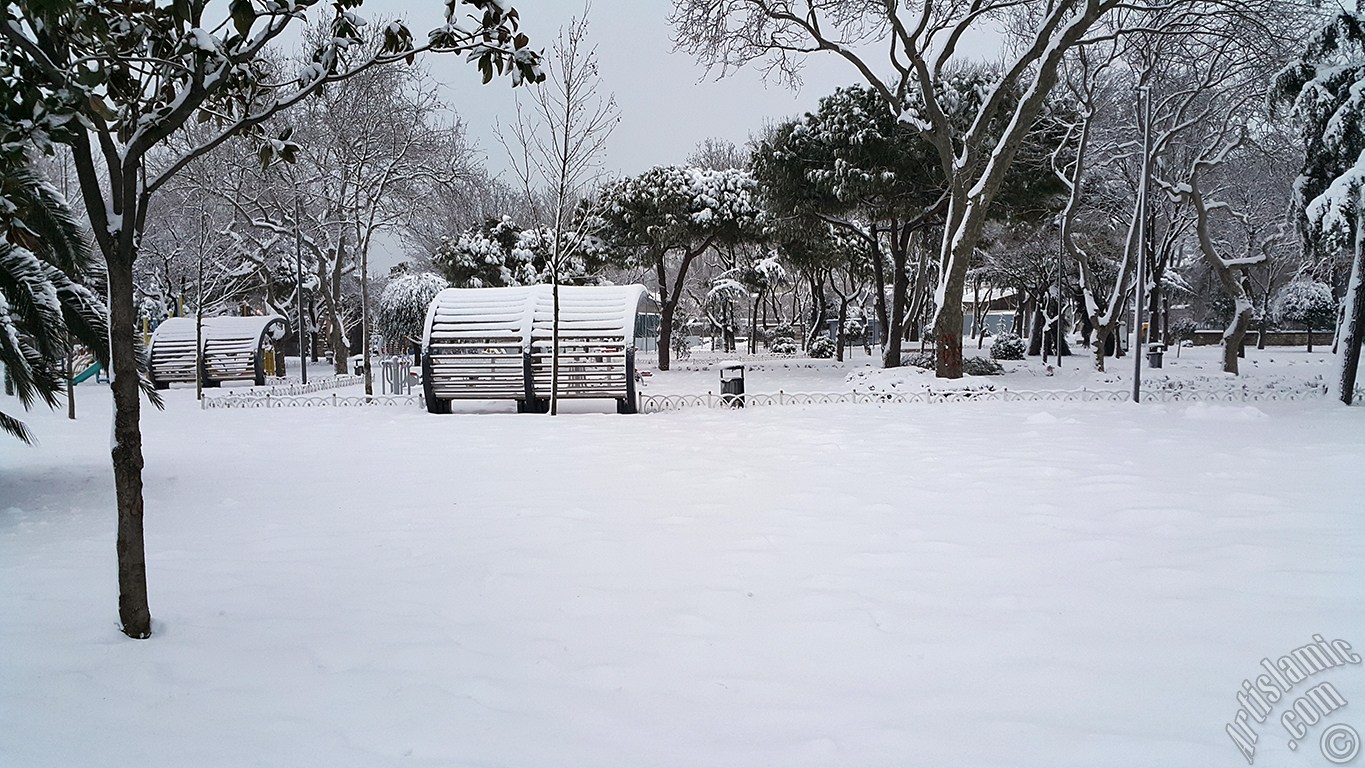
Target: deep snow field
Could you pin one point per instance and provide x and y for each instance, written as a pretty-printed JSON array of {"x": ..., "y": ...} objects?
[{"x": 974, "y": 584}]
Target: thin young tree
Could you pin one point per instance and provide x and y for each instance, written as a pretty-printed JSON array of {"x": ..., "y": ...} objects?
[
  {"x": 557, "y": 146},
  {"x": 114, "y": 81}
]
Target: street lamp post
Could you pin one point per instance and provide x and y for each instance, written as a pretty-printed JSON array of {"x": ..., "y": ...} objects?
[
  {"x": 298, "y": 278},
  {"x": 1139, "y": 289},
  {"x": 1061, "y": 249}
]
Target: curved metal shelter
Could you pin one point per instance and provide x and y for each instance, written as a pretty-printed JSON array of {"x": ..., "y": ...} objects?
[
  {"x": 234, "y": 348},
  {"x": 496, "y": 344}
]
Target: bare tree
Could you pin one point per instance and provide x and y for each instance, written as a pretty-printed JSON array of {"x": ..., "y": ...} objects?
[
  {"x": 557, "y": 146},
  {"x": 921, "y": 41}
]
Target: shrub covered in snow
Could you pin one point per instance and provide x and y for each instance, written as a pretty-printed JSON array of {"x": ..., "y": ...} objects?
[
  {"x": 402, "y": 309},
  {"x": 822, "y": 347},
  {"x": 1007, "y": 346},
  {"x": 923, "y": 360},
  {"x": 782, "y": 340},
  {"x": 980, "y": 366},
  {"x": 1307, "y": 303}
]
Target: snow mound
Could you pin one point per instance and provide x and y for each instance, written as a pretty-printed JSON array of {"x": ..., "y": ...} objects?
[
  {"x": 911, "y": 379},
  {"x": 1217, "y": 412}
]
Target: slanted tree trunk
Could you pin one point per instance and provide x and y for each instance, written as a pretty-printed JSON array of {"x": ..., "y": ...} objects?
[
  {"x": 1352, "y": 332},
  {"x": 1232, "y": 277},
  {"x": 1233, "y": 335},
  {"x": 819, "y": 307}
]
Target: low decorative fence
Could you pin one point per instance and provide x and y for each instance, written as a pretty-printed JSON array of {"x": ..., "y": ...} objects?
[
  {"x": 283, "y": 388},
  {"x": 658, "y": 403},
  {"x": 663, "y": 403},
  {"x": 309, "y": 401}
]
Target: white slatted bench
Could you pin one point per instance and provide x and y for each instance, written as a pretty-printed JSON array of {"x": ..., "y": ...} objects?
[
  {"x": 233, "y": 349},
  {"x": 496, "y": 343}
]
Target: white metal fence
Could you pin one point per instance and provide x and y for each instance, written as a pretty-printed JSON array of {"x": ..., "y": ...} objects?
[
  {"x": 284, "y": 388},
  {"x": 309, "y": 401},
  {"x": 656, "y": 403}
]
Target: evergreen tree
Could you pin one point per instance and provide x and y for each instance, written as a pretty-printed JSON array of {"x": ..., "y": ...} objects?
[{"x": 45, "y": 305}]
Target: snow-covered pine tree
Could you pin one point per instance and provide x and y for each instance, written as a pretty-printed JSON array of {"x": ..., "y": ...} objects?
[
  {"x": 403, "y": 304},
  {"x": 1326, "y": 87},
  {"x": 666, "y": 217},
  {"x": 497, "y": 254},
  {"x": 1307, "y": 303}
]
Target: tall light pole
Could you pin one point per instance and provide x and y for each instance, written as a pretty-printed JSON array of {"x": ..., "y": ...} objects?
[
  {"x": 298, "y": 277},
  {"x": 1061, "y": 249},
  {"x": 199, "y": 304},
  {"x": 1139, "y": 289}
]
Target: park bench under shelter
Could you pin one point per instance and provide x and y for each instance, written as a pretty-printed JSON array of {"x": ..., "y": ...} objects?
[
  {"x": 495, "y": 344},
  {"x": 233, "y": 348}
]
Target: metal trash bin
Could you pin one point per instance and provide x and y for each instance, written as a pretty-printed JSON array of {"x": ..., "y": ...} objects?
[
  {"x": 732, "y": 384},
  {"x": 1154, "y": 354}
]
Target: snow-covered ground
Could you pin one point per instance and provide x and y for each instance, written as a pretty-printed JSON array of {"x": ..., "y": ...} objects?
[{"x": 1076, "y": 584}]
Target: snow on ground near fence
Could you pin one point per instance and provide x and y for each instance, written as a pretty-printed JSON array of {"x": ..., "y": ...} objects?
[{"x": 985, "y": 584}]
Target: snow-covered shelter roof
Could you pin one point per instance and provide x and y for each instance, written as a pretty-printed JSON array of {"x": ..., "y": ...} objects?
[
  {"x": 232, "y": 347},
  {"x": 526, "y": 312}
]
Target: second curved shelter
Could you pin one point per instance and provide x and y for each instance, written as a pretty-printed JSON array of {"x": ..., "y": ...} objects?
[
  {"x": 233, "y": 348},
  {"x": 496, "y": 344}
]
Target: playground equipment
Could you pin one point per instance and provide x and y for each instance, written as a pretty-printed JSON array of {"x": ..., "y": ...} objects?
[
  {"x": 233, "y": 348},
  {"x": 496, "y": 344}
]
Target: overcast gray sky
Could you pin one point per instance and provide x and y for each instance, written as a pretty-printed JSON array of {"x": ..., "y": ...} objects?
[{"x": 668, "y": 103}]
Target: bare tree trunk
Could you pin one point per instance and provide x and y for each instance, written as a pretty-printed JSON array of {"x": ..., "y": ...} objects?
[
  {"x": 1265, "y": 320},
  {"x": 878, "y": 277},
  {"x": 1241, "y": 317},
  {"x": 977, "y": 319},
  {"x": 554, "y": 338},
  {"x": 365, "y": 317},
  {"x": 126, "y": 452},
  {"x": 843, "y": 317},
  {"x": 900, "y": 288},
  {"x": 666, "y": 308},
  {"x": 665, "y": 334},
  {"x": 1035, "y": 330},
  {"x": 818, "y": 309}
]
